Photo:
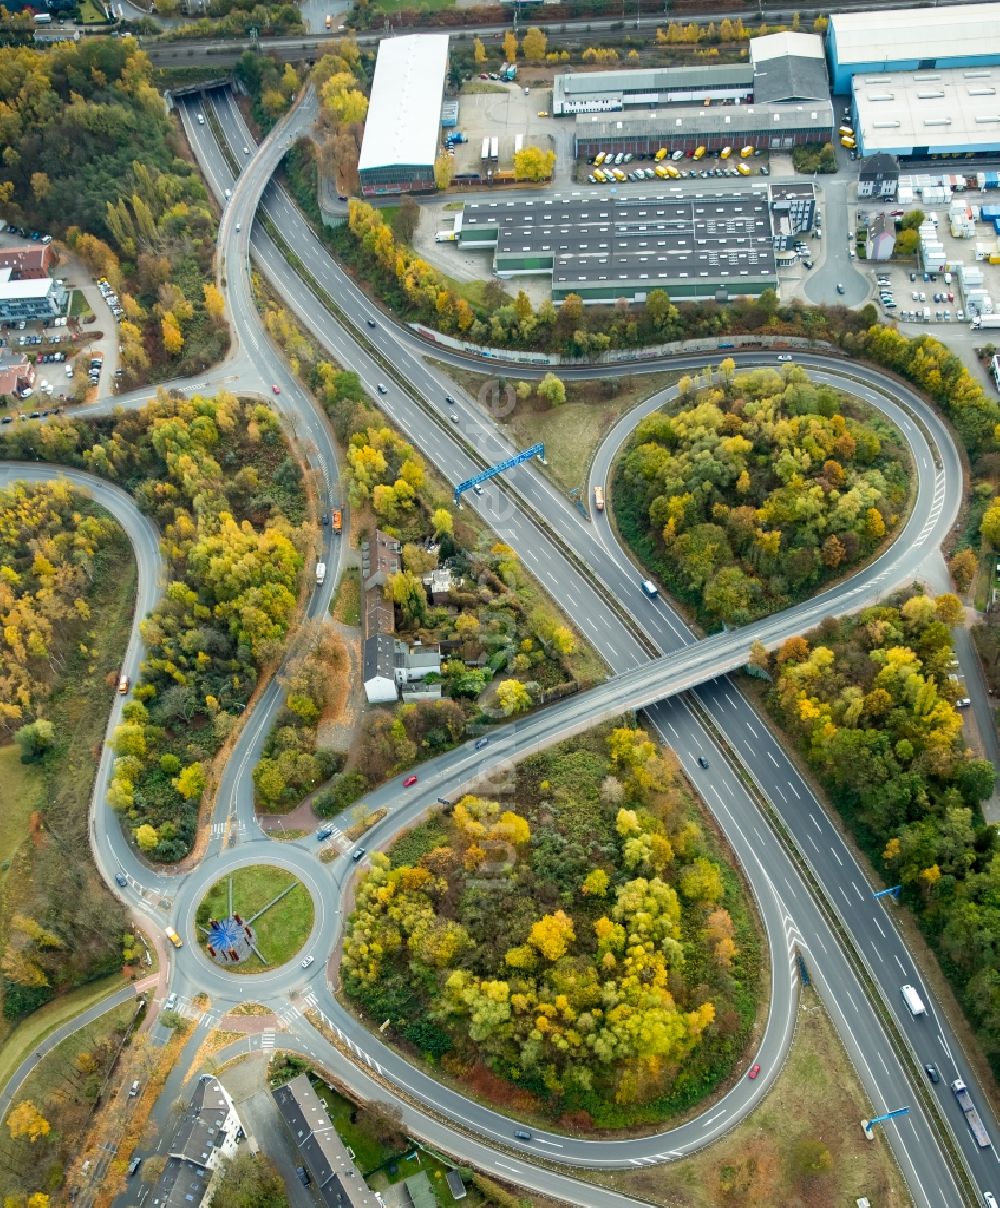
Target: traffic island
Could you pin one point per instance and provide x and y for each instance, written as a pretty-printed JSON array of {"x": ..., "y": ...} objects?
[{"x": 254, "y": 919}]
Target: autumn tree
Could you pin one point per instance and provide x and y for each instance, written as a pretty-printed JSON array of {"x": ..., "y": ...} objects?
[
  {"x": 534, "y": 44},
  {"x": 510, "y": 46},
  {"x": 534, "y": 163},
  {"x": 25, "y": 1120},
  {"x": 478, "y": 51},
  {"x": 444, "y": 169},
  {"x": 512, "y": 697},
  {"x": 552, "y": 389}
]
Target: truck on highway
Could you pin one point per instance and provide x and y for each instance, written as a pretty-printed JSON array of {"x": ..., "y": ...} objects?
[
  {"x": 338, "y": 521},
  {"x": 320, "y": 572},
  {"x": 173, "y": 937},
  {"x": 976, "y": 1126},
  {"x": 984, "y": 322},
  {"x": 599, "y": 498}
]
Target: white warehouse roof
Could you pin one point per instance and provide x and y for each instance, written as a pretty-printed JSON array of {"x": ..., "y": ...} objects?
[
  {"x": 22, "y": 290},
  {"x": 404, "y": 114},
  {"x": 775, "y": 46},
  {"x": 954, "y": 108},
  {"x": 917, "y": 33}
]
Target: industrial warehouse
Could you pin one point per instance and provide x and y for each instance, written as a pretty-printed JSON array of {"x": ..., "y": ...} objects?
[
  {"x": 402, "y": 132},
  {"x": 926, "y": 113},
  {"x": 610, "y": 247},
  {"x": 780, "y": 99},
  {"x": 911, "y": 39}
]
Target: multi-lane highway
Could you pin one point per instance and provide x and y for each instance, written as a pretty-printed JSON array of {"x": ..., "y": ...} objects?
[{"x": 588, "y": 573}]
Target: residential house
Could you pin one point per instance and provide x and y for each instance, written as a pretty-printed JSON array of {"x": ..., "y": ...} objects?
[
  {"x": 878, "y": 176},
  {"x": 206, "y": 1134},
  {"x": 17, "y": 374},
  {"x": 29, "y": 263},
  {"x": 881, "y": 238},
  {"x": 336, "y": 1179},
  {"x": 389, "y": 667}
]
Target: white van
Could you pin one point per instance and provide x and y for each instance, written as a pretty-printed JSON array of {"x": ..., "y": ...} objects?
[
  {"x": 650, "y": 588},
  {"x": 914, "y": 1003}
]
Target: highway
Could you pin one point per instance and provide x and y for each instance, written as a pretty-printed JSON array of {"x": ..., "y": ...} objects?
[{"x": 599, "y": 587}]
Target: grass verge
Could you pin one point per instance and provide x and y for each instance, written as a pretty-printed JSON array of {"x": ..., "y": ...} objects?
[
  {"x": 21, "y": 790},
  {"x": 282, "y": 930},
  {"x": 32, "y": 1031},
  {"x": 802, "y": 1145},
  {"x": 572, "y": 432},
  {"x": 347, "y": 601}
]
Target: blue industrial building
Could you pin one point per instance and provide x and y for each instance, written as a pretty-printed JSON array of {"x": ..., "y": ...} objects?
[{"x": 914, "y": 39}]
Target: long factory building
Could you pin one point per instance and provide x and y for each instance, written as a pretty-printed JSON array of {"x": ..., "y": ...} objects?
[
  {"x": 776, "y": 101},
  {"x": 615, "y": 246}
]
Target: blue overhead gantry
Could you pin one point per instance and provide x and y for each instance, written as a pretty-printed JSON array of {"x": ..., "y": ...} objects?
[{"x": 535, "y": 451}]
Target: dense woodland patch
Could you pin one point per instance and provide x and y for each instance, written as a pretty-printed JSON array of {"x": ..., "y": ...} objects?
[
  {"x": 217, "y": 476},
  {"x": 65, "y": 572},
  {"x": 580, "y": 950},
  {"x": 758, "y": 488},
  {"x": 870, "y": 702}
]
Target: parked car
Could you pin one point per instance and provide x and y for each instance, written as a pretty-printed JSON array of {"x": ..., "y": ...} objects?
[
  {"x": 133, "y": 1090},
  {"x": 171, "y": 1003}
]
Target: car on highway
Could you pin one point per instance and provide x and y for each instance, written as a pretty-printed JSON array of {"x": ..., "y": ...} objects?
[
  {"x": 309, "y": 960},
  {"x": 371, "y": 323},
  {"x": 382, "y": 388},
  {"x": 358, "y": 854},
  {"x": 480, "y": 743},
  {"x": 409, "y": 782},
  {"x": 522, "y": 1135},
  {"x": 963, "y": 702},
  {"x": 840, "y": 288},
  {"x": 784, "y": 357},
  {"x": 989, "y": 1199},
  {"x": 933, "y": 1073},
  {"x": 123, "y": 684},
  {"x": 324, "y": 832},
  {"x": 246, "y": 150},
  {"x": 134, "y": 1165},
  {"x": 702, "y": 761},
  {"x": 753, "y": 1071},
  {"x": 121, "y": 880},
  {"x": 275, "y": 388},
  {"x": 449, "y": 400}
]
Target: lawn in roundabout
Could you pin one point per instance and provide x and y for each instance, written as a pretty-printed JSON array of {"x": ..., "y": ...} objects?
[{"x": 265, "y": 913}]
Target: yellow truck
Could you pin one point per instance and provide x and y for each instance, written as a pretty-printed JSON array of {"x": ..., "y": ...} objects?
[
  {"x": 599, "y": 498},
  {"x": 599, "y": 159},
  {"x": 846, "y": 132},
  {"x": 174, "y": 938},
  {"x": 698, "y": 153},
  {"x": 673, "y": 172},
  {"x": 661, "y": 172},
  {"x": 725, "y": 152},
  {"x": 743, "y": 169},
  {"x": 661, "y": 154},
  {"x": 847, "y": 142},
  {"x": 599, "y": 174},
  {"x": 619, "y": 174}
]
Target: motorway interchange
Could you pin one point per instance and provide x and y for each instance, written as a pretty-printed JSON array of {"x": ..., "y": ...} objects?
[{"x": 809, "y": 889}]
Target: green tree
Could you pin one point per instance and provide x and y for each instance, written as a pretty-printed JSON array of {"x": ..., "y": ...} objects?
[
  {"x": 249, "y": 1181},
  {"x": 35, "y": 739},
  {"x": 552, "y": 390}
]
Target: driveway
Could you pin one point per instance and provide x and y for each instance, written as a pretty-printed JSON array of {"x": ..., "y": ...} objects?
[
  {"x": 246, "y": 1082},
  {"x": 839, "y": 209}
]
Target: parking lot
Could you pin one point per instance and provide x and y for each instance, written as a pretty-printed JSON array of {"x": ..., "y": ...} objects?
[{"x": 930, "y": 299}]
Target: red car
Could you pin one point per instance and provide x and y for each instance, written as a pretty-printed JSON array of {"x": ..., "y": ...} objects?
[
  {"x": 409, "y": 782},
  {"x": 275, "y": 389},
  {"x": 753, "y": 1071},
  {"x": 483, "y": 75}
]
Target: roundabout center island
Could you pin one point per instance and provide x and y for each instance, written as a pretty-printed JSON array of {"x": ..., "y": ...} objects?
[{"x": 254, "y": 919}]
